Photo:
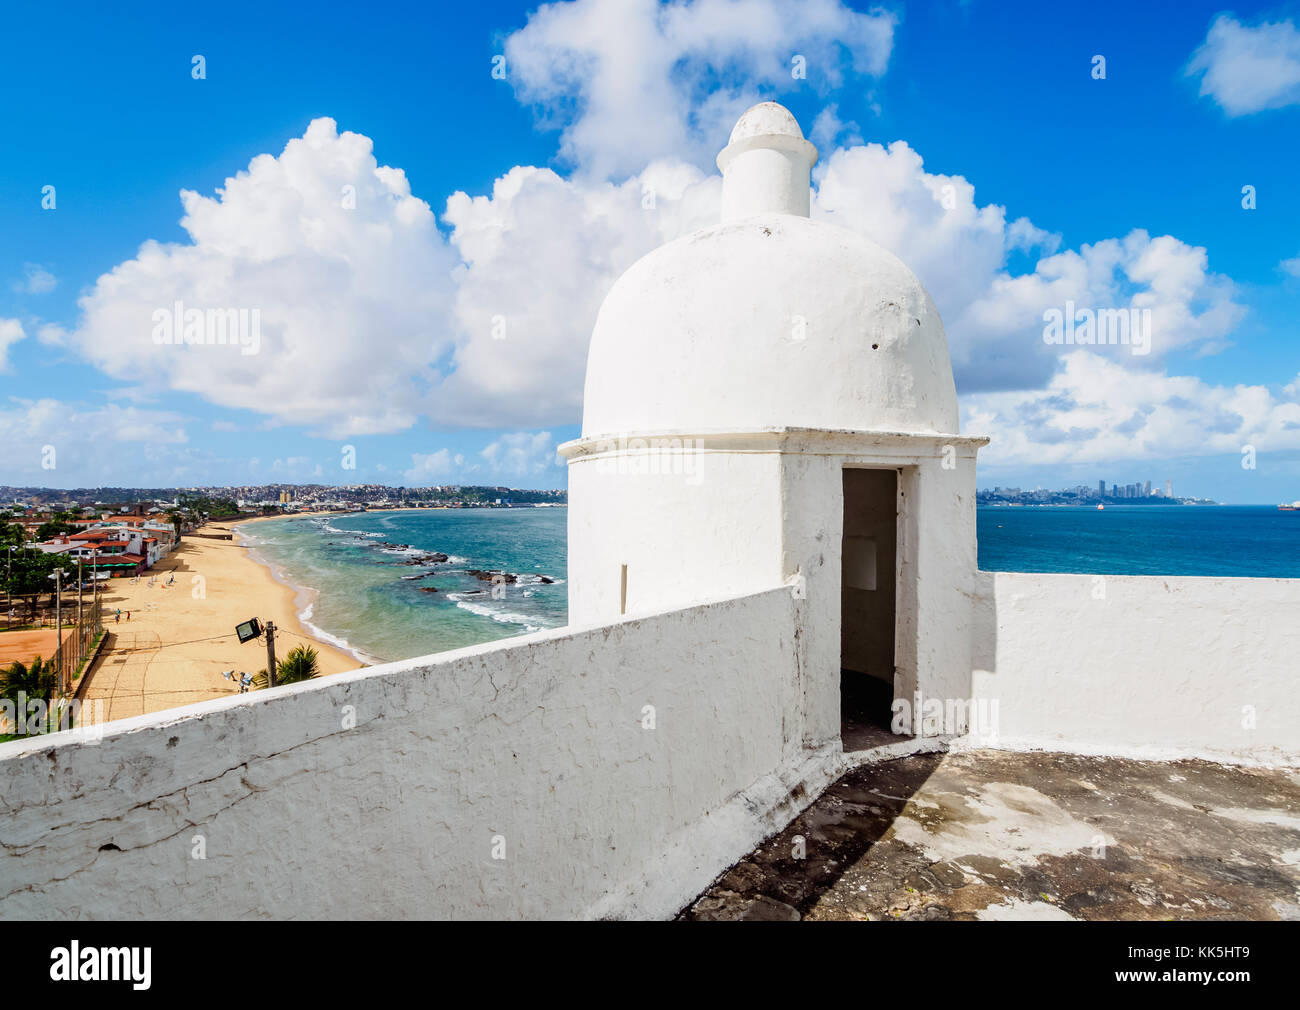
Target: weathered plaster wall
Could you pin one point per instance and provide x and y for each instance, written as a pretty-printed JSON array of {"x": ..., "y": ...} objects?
[
  {"x": 1142, "y": 665},
  {"x": 536, "y": 743},
  {"x": 689, "y": 523}
]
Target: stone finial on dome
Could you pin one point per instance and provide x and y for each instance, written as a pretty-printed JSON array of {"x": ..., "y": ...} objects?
[
  {"x": 765, "y": 167},
  {"x": 766, "y": 119}
]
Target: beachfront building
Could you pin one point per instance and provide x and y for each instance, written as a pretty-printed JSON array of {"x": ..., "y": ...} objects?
[
  {"x": 771, "y": 512},
  {"x": 117, "y": 550}
]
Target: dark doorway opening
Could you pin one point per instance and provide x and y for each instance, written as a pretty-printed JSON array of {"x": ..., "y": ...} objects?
[{"x": 868, "y": 591}]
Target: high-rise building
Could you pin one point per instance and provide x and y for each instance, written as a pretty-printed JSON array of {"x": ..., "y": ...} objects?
[
  {"x": 1169, "y": 489},
  {"x": 1101, "y": 488}
]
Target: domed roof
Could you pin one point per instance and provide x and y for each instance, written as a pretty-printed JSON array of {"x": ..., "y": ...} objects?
[
  {"x": 768, "y": 319},
  {"x": 765, "y": 119}
]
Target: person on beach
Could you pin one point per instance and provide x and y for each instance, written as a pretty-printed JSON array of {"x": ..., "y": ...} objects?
[
  {"x": 128, "y": 615},
  {"x": 117, "y": 618}
]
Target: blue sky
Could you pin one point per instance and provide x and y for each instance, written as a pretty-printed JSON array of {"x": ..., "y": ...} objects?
[{"x": 1114, "y": 192}]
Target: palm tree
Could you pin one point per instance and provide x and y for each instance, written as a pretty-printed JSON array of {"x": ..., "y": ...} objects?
[
  {"x": 302, "y": 663},
  {"x": 32, "y": 682}
]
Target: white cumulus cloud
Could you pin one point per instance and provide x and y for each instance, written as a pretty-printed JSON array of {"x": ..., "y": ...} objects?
[
  {"x": 538, "y": 256},
  {"x": 11, "y": 331},
  {"x": 994, "y": 318},
  {"x": 521, "y": 454},
  {"x": 36, "y": 280},
  {"x": 88, "y": 441},
  {"x": 1094, "y": 410},
  {"x": 429, "y": 468},
  {"x": 347, "y": 271},
  {"x": 1249, "y": 68},
  {"x": 630, "y": 81}
]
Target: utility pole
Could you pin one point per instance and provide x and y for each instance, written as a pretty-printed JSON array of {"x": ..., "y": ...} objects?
[
  {"x": 81, "y": 639},
  {"x": 58, "y": 623},
  {"x": 270, "y": 654}
]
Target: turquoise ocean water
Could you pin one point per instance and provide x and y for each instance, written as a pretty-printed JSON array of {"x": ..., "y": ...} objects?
[
  {"x": 357, "y": 592},
  {"x": 1255, "y": 541}
]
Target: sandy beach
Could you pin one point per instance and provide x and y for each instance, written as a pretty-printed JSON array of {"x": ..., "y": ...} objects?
[{"x": 178, "y": 639}]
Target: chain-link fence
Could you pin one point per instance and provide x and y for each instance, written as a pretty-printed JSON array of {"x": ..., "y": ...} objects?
[{"x": 77, "y": 644}]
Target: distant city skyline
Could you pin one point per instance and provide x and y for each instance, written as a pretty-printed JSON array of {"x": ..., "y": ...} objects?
[
  {"x": 1101, "y": 491},
  {"x": 1135, "y": 489}
]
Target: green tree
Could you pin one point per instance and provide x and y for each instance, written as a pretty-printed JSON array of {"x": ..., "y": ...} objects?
[
  {"x": 20, "y": 684},
  {"x": 12, "y": 534},
  {"x": 28, "y": 571},
  {"x": 55, "y": 528},
  {"x": 302, "y": 663}
]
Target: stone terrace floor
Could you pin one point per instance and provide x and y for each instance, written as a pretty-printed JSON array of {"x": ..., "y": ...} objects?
[{"x": 1003, "y": 835}]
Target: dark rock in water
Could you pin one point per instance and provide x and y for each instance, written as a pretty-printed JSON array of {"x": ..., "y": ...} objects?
[
  {"x": 482, "y": 576},
  {"x": 546, "y": 580},
  {"x": 428, "y": 589}
]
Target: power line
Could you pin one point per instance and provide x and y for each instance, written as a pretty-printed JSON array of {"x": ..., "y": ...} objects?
[
  {"x": 171, "y": 645},
  {"x": 213, "y": 638}
]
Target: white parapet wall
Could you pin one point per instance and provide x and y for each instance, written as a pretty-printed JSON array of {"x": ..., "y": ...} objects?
[
  {"x": 1148, "y": 666},
  {"x": 609, "y": 771}
]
